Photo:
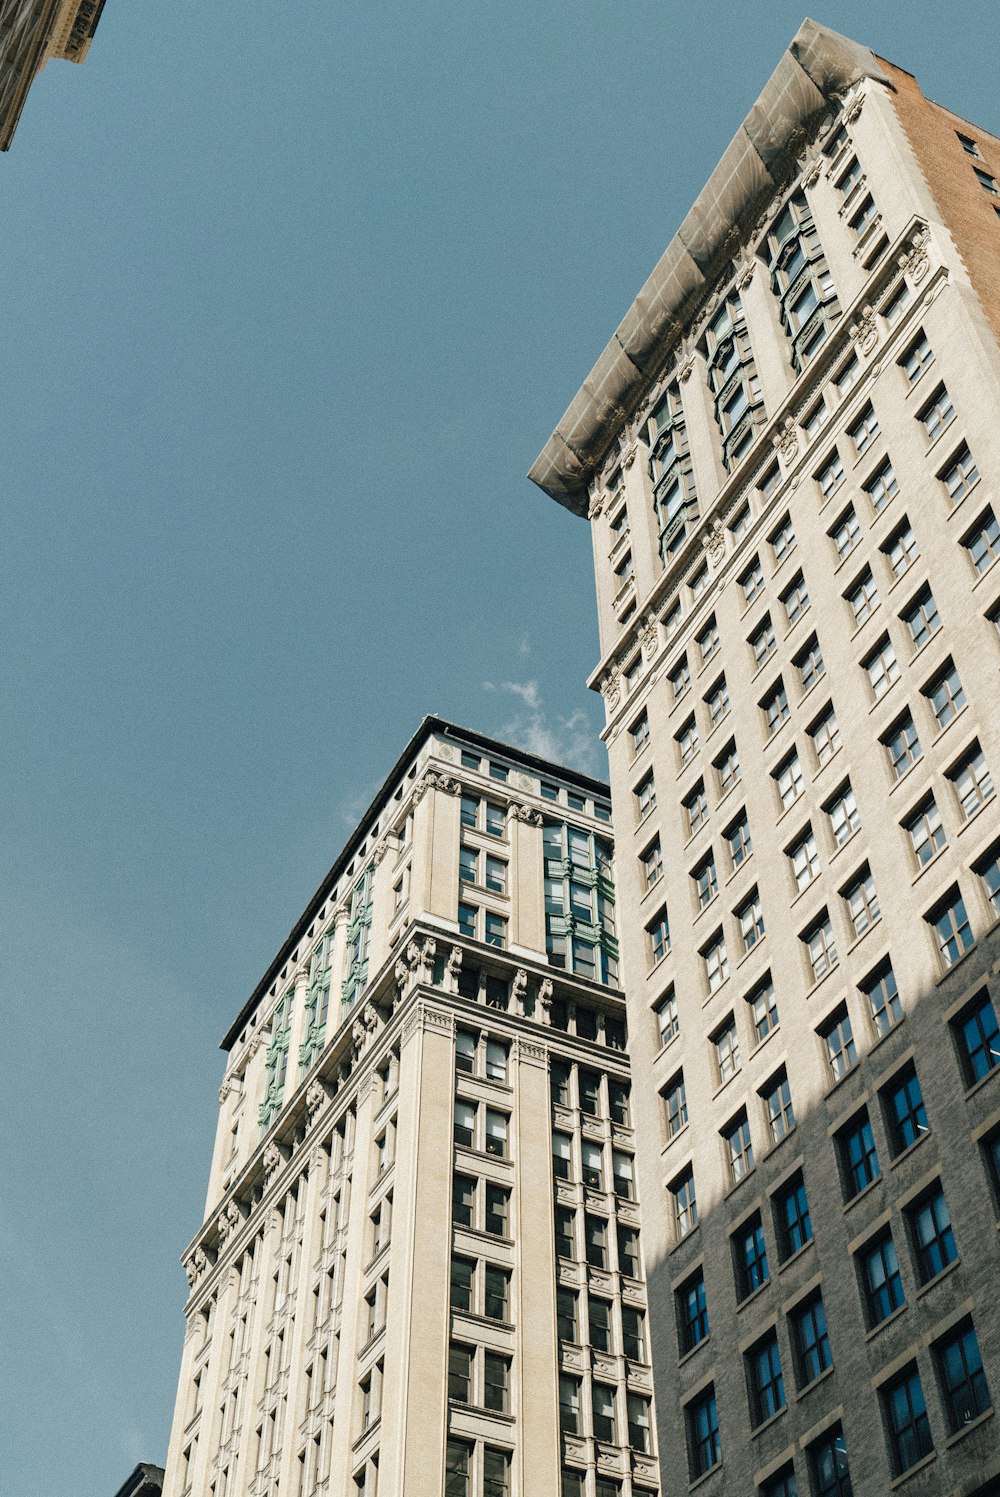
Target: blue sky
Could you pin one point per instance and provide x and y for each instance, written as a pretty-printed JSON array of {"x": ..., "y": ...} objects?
[{"x": 289, "y": 308}]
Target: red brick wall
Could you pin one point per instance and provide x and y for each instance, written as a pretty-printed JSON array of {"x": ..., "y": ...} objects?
[{"x": 965, "y": 207}]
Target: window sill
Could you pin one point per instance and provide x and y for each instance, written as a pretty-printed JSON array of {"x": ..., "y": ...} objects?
[
  {"x": 967, "y": 1429},
  {"x": 794, "y": 1257},
  {"x": 682, "y": 1361},
  {"x": 829, "y": 760},
  {"x": 977, "y": 1086},
  {"x": 683, "y": 1241},
  {"x": 840, "y": 846},
  {"x": 936, "y": 441},
  {"x": 859, "y": 628},
  {"x": 858, "y": 939},
  {"x": 954, "y": 507},
  {"x": 754, "y": 949},
  {"x": 769, "y": 1423},
  {"x": 738, "y": 1184},
  {"x": 816, "y": 1382},
  {"x": 701, "y": 1480},
  {"x": 949, "y": 724},
  {"x": 910, "y": 1148},
  {"x": 862, "y": 1194},
  {"x": 830, "y": 972},
  {"x": 982, "y": 576},
  {"x": 674, "y": 1137},
  {"x": 889, "y": 1320},
  {"x": 840, "y": 1080},
  {"x": 932, "y": 1284},
  {"x": 969, "y": 820},
  {"x": 921, "y": 1465},
  {"x": 907, "y": 772},
  {"x": 754, "y": 1294},
  {"x": 955, "y": 965},
  {"x": 877, "y": 701}
]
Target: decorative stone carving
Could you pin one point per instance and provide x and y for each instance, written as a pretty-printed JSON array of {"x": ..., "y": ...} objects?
[
  {"x": 685, "y": 370},
  {"x": 454, "y": 963},
  {"x": 745, "y": 272},
  {"x": 317, "y": 1094},
  {"x": 865, "y": 330},
  {"x": 611, "y": 689},
  {"x": 436, "y": 1018},
  {"x": 272, "y": 1160},
  {"x": 853, "y": 108},
  {"x": 401, "y": 972},
  {"x": 714, "y": 542},
  {"x": 916, "y": 262},
  {"x": 257, "y": 1043},
  {"x": 532, "y": 1052},
  {"x": 545, "y": 1000},
  {"x": 527, "y": 814},
  {"x": 519, "y": 990},
  {"x": 413, "y": 1021},
  {"x": 380, "y": 850},
  {"x": 649, "y": 637},
  {"x": 231, "y": 1083},
  {"x": 195, "y": 1266},
  {"x": 228, "y": 1220},
  {"x": 629, "y": 456},
  {"x": 596, "y": 505},
  {"x": 811, "y": 174},
  {"x": 786, "y": 441}
]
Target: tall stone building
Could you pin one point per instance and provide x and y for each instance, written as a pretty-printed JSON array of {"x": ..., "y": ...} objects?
[
  {"x": 420, "y": 1268},
  {"x": 789, "y": 456},
  {"x": 32, "y": 32}
]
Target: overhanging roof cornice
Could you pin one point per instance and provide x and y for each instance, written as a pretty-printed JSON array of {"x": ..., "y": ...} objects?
[{"x": 818, "y": 68}]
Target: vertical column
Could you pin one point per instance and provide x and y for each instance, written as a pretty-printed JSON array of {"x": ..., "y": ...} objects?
[
  {"x": 702, "y": 431},
  {"x": 441, "y": 827},
  {"x": 415, "y": 1408},
  {"x": 211, "y": 1415},
  {"x": 385, "y": 863},
  {"x": 527, "y": 883},
  {"x": 537, "y": 1455},
  {"x": 338, "y": 967},
  {"x": 345, "y": 1424},
  {"x": 314, "y": 1187},
  {"x": 172, "y": 1484},
  {"x": 298, "y": 1029},
  {"x": 767, "y": 336}
]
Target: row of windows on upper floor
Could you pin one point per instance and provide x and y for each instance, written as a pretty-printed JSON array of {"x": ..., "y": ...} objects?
[
  {"x": 926, "y": 836},
  {"x": 976, "y": 1040},
  {"x": 957, "y": 473},
  {"x": 573, "y": 800},
  {"x": 965, "y": 1400},
  {"x": 801, "y": 280}
]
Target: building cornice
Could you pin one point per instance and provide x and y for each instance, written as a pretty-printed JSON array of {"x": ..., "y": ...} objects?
[{"x": 815, "y": 72}]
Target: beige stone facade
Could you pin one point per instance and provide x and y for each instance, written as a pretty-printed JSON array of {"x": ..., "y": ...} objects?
[
  {"x": 790, "y": 458},
  {"x": 32, "y": 32},
  {"x": 420, "y": 1268}
]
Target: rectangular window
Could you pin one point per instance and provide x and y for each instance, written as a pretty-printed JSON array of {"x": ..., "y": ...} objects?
[
  {"x": 810, "y": 1340},
  {"x": 809, "y": 664},
  {"x": 922, "y": 619},
  {"x": 859, "y": 1165},
  {"x": 821, "y": 948},
  {"x": 692, "y": 1313},
  {"x": 901, "y": 549},
  {"x": 567, "y": 1327},
  {"x": 633, "y": 1334},
  {"x": 961, "y": 475},
  {"x": 496, "y": 930},
  {"x": 687, "y": 741},
  {"x": 883, "y": 999},
  {"x": 645, "y": 797},
  {"x": 931, "y": 1234},
  {"x": 727, "y": 1051},
  {"x": 927, "y": 835},
  {"x": 496, "y": 1133},
  {"x": 902, "y": 746},
  {"x": 882, "y": 667},
  {"x": 977, "y": 1036},
  {"x": 881, "y": 1285},
  {"x": 658, "y": 937},
  {"x": 628, "y": 1251},
  {"x": 684, "y": 1202},
  {"x": 675, "y": 1105},
  {"x": 497, "y": 1210},
  {"x": 462, "y": 1272},
  {"x": 467, "y": 920},
  {"x": 937, "y": 414},
  {"x": 765, "y": 1383},
  {"x": 763, "y": 1009},
  {"x": 795, "y": 600},
  {"x": 843, "y": 815},
  {"x": 905, "y": 1415},
  {"x": 762, "y": 641},
  {"x": 569, "y": 1405},
  {"x": 716, "y": 963},
  {"x": 959, "y": 1364},
  {"x": 708, "y": 641},
  {"x": 652, "y": 864},
  {"x": 680, "y": 680},
  {"x": 782, "y": 541},
  {"x": 701, "y": 1419},
  {"x": 804, "y": 858},
  {"x": 952, "y": 931},
  {"x": 882, "y": 486},
  {"x": 828, "y": 1468},
  {"x": 496, "y": 1300},
  {"x": 865, "y": 430},
  {"x": 752, "y": 580},
  {"x": 706, "y": 883},
  {"x": 775, "y": 708},
  {"x": 603, "y": 1409},
  {"x": 738, "y": 838},
  {"x": 825, "y": 735},
  {"x": 596, "y": 1240},
  {"x": 983, "y": 542},
  {"x": 838, "y": 1042},
  {"x": 749, "y": 1257},
  {"x": 639, "y": 734},
  {"x": 903, "y": 1107},
  {"x": 846, "y": 534},
  {"x": 862, "y": 902},
  {"x": 718, "y": 703},
  {"x": 727, "y": 767},
  {"x": 793, "y": 1224},
  {"x": 918, "y": 358},
  {"x": 972, "y": 781},
  {"x": 496, "y": 1383},
  {"x": 863, "y": 598},
  {"x": 457, "y": 1469},
  {"x": 830, "y": 476},
  {"x": 777, "y": 1099},
  {"x": 739, "y": 1148},
  {"x": 751, "y": 918}
]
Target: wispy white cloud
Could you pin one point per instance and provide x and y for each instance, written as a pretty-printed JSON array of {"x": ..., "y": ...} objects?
[
  {"x": 353, "y": 807},
  {"x": 568, "y": 740}
]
